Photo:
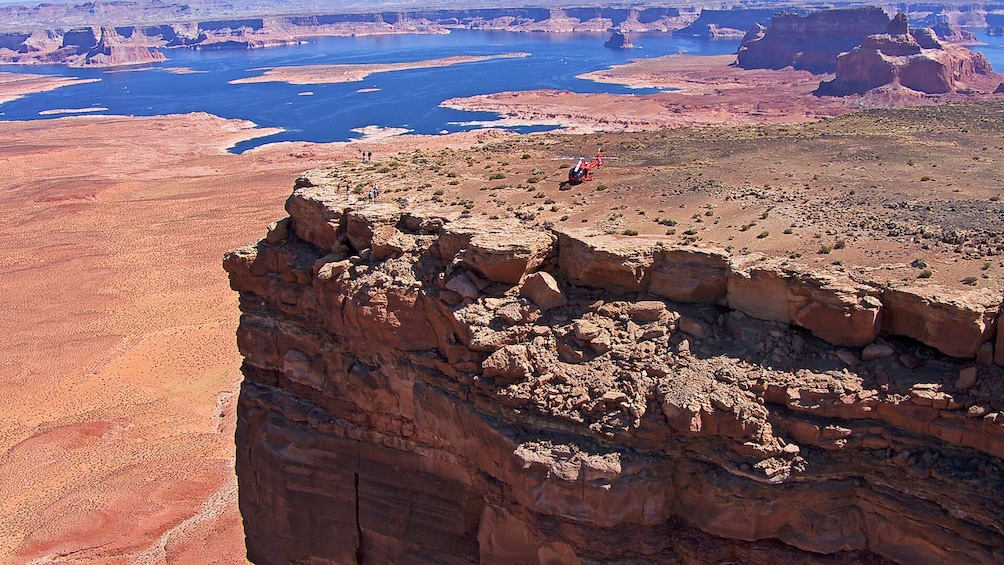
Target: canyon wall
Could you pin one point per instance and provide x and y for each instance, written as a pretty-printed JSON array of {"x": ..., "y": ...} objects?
[
  {"x": 811, "y": 41},
  {"x": 122, "y": 44},
  {"x": 425, "y": 389},
  {"x": 912, "y": 58}
]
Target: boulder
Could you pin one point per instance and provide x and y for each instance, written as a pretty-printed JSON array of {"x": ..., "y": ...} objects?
[
  {"x": 953, "y": 322},
  {"x": 542, "y": 289},
  {"x": 506, "y": 256},
  {"x": 510, "y": 363}
]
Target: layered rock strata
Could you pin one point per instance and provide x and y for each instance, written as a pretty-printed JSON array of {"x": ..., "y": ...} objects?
[
  {"x": 425, "y": 389},
  {"x": 913, "y": 58},
  {"x": 809, "y": 42},
  {"x": 23, "y": 42}
]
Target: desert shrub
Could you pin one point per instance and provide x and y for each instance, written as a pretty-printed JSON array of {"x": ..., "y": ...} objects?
[
  {"x": 763, "y": 234},
  {"x": 925, "y": 274},
  {"x": 971, "y": 281},
  {"x": 629, "y": 232},
  {"x": 824, "y": 249},
  {"x": 840, "y": 244}
]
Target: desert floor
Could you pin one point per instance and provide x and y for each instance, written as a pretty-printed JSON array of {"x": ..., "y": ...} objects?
[{"x": 118, "y": 382}]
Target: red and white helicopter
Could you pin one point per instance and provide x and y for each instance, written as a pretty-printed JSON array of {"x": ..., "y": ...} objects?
[{"x": 582, "y": 171}]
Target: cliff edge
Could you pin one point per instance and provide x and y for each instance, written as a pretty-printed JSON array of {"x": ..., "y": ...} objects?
[{"x": 431, "y": 389}]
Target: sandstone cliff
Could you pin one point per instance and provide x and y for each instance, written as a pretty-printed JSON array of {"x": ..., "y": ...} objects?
[
  {"x": 912, "y": 58},
  {"x": 812, "y": 41},
  {"x": 128, "y": 42},
  {"x": 424, "y": 389}
]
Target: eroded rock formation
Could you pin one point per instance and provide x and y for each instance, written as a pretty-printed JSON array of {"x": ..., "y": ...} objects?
[
  {"x": 131, "y": 43},
  {"x": 809, "y": 42},
  {"x": 424, "y": 389},
  {"x": 913, "y": 58}
]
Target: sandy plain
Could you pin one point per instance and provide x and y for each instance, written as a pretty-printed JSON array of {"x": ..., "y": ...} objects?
[{"x": 121, "y": 369}]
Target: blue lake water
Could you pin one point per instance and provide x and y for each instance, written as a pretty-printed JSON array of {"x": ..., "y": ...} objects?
[{"x": 404, "y": 99}]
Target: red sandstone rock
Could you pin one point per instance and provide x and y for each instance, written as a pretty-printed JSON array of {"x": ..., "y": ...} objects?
[
  {"x": 615, "y": 263},
  {"x": 509, "y": 255},
  {"x": 690, "y": 275},
  {"x": 811, "y": 42},
  {"x": 543, "y": 290},
  {"x": 410, "y": 427},
  {"x": 915, "y": 59},
  {"x": 954, "y": 324},
  {"x": 833, "y": 308}
]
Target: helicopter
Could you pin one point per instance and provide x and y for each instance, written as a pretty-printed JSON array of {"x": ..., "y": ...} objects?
[{"x": 581, "y": 171}]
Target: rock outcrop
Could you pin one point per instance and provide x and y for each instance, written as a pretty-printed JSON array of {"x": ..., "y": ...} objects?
[
  {"x": 24, "y": 41},
  {"x": 714, "y": 24},
  {"x": 619, "y": 40},
  {"x": 809, "y": 42},
  {"x": 81, "y": 47},
  {"x": 424, "y": 389},
  {"x": 912, "y": 58}
]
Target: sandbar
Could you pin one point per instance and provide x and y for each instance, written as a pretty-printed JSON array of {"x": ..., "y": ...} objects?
[
  {"x": 59, "y": 111},
  {"x": 16, "y": 85},
  {"x": 328, "y": 74}
]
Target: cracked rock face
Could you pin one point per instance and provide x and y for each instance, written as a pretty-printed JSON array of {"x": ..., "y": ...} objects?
[{"x": 423, "y": 390}]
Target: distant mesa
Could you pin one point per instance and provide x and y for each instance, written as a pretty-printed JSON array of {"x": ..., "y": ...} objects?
[
  {"x": 619, "y": 40},
  {"x": 866, "y": 50},
  {"x": 809, "y": 42},
  {"x": 912, "y": 58},
  {"x": 726, "y": 24},
  {"x": 44, "y": 39},
  {"x": 79, "y": 47}
]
